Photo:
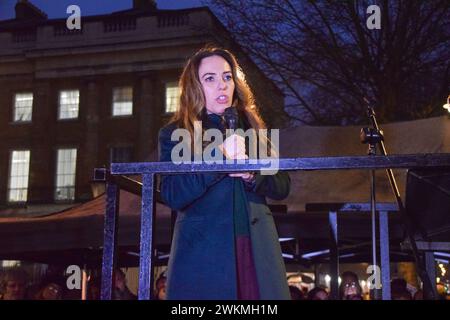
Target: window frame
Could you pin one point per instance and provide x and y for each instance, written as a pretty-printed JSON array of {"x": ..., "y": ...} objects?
[
  {"x": 112, "y": 102},
  {"x": 10, "y": 166},
  {"x": 56, "y": 176},
  {"x": 15, "y": 108},
  {"x": 59, "y": 118},
  {"x": 166, "y": 86}
]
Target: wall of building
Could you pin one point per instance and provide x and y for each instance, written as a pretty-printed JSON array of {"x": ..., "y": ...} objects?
[{"x": 144, "y": 50}]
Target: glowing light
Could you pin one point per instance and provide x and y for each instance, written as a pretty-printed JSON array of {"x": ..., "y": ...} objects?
[{"x": 447, "y": 105}]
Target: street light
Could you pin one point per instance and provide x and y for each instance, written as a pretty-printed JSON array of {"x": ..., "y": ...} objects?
[{"x": 447, "y": 105}]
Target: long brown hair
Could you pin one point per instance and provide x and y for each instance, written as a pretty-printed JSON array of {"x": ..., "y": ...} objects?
[{"x": 192, "y": 100}]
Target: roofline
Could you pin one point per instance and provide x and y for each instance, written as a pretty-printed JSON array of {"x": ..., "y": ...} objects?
[
  {"x": 123, "y": 13},
  {"x": 135, "y": 13}
]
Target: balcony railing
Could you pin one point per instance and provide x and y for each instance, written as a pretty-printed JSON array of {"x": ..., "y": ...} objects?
[
  {"x": 173, "y": 20},
  {"x": 147, "y": 190},
  {"x": 121, "y": 24},
  {"x": 62, "y": 30},
  {"x": 24, "y": 36}
]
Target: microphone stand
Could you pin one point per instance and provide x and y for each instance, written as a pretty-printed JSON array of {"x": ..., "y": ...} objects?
[{"x": 374, "y": 136}]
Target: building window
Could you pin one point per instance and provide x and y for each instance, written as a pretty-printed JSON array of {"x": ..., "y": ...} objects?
[
  {"x": 18, "y": 176},
  {"x": 122, "y": 101},
  {"x": 172, "y": 97},
  {"x": 121, "y": 154},
  {"x": 23, "y": 106},
  {"x": 65, "y": 174},
  {"x": 69, "y": 101}
]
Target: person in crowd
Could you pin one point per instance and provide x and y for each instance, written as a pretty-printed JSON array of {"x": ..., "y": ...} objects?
[
  {"x": 399, "y": 290},
  {"x": 120, "y": 289},
  {"x": 318, "y": 293},
  {"x": 50, "y": 291},
  {"x": 93, "y": 288},
  {"x": 13, "y": 283},
  {"x": 160, "y": 287},
  {"x": 296, "y": 293},
  {"x": 350, "y": 288}
]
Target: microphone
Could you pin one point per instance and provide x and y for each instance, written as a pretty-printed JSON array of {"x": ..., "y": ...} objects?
[{"x": 230, "y": 116}]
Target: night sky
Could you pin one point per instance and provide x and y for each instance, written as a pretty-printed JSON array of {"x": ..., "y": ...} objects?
[{"x": 57, "y": 8}]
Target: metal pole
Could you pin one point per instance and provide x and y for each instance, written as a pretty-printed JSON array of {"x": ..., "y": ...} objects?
[
  {"x": 407, "y": 222},
  {"x": 374, "y": 230},
  {"x": 334, "y": 256},
  {"x": 147, "y": 224},
  {"x": 385, "y": 261},
  {"x": 110, "y": 238}
]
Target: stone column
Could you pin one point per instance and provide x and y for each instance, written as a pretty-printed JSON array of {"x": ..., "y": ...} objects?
[
  {"x": 5, "y": 118},
  {"x": 149, "y": 105},
  {"x": 43, "y": 159},
  {"x": 88, "y": 154}
]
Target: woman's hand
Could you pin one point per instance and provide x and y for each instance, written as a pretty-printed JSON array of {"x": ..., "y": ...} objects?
[{"x": 234, "y": 148}]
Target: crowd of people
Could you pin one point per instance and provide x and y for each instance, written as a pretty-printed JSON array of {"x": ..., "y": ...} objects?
[
  {"x": 350, "y": 289},
  {"x": 14, "y": 285}
]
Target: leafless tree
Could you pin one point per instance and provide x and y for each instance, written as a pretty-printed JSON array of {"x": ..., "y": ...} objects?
[{"x": 326, "y": 58}]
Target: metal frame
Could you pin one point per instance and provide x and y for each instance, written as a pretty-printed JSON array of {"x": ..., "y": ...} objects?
[
  {"x": 383, "y": 240},
  {"x": 148, "y": 171}
]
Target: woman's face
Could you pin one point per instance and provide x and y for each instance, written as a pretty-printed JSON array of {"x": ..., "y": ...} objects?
[
  {"x": 52, "y": 292},
  {"x": 162, "y": 293},
  {"x": 15, "y": 290},
  {"x": 350, "y": 287},
  {"x": 217, "y": 82}
]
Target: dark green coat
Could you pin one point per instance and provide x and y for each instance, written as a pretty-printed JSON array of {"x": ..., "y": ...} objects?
[{"x": 202, "y": 263}]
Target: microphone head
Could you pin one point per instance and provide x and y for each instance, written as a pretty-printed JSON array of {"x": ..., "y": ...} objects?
[{"x": 230, "y": 115}]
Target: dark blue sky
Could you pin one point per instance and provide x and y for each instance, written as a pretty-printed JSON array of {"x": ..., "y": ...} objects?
[{"x": 57, "y": 8}]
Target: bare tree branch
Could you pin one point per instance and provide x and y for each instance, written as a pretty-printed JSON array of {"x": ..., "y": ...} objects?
[{"x": 325, "y": 58}]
